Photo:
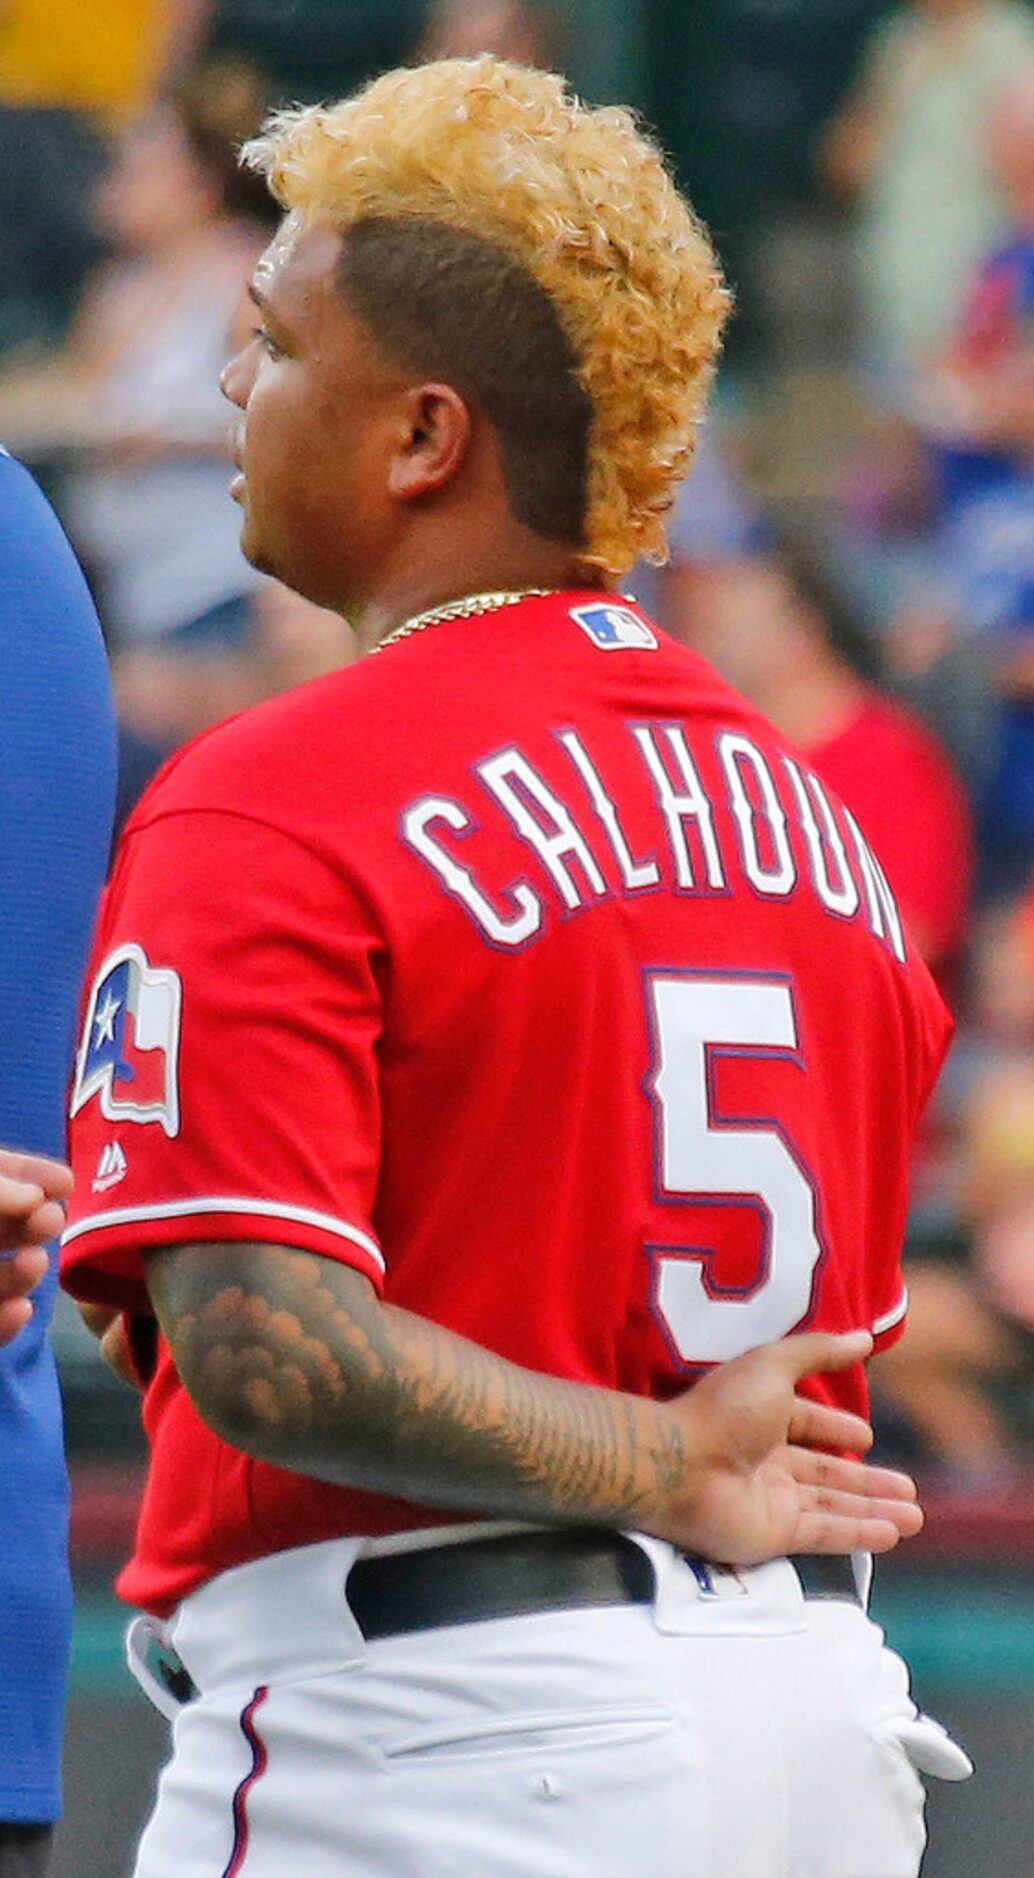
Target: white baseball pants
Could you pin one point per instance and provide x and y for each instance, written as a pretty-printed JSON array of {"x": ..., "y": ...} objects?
[{"x": 748, "y": 1734}]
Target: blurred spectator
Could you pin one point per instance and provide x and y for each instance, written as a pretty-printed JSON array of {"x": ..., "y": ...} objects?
[
  {"x": 962, "y": 1377},
  {"x": 976, "y": 404},
  {"x": 909, "y": 147},
  {"x": 295, "y": 640},
  {"x": 66, "y": 74},
  {"x": 999, "y": 1135},
  {"x": 133, "y": 402},
  {"x": 169, "y": 691},
  {"x": 942, "y": 1381},
  {"x": 165, "y": 698},
  {"x": 139, "y": 758},
  {"x": 713, "y": 521},
  {"x": 526, "y": 31},
  {"x": 778, "y": 630},
  {"x": 976, "y": 407}
]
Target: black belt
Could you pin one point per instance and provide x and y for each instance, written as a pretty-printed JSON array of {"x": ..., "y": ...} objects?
[
  {"x": 513, "y": 1576},
  {"x": 520, "y": 1573}
]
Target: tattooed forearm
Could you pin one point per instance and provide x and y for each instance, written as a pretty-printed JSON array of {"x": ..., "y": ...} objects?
[{"x": 293, "y": 1358}]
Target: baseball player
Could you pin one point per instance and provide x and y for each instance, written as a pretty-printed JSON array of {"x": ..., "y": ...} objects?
[{"x": 491, "y": 1050}]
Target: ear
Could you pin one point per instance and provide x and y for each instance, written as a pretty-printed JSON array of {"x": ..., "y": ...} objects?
[{"x": 433, "y": 443}]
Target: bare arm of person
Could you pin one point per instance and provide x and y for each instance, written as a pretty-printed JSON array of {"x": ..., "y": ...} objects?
[
  {"x": 852, "y": 147},
  {"x": 294, "y": 1359},
  {"x": 187, "y": 23},
  {"x": 49, "y": 403},
  {"x": 854, "y": 143}
]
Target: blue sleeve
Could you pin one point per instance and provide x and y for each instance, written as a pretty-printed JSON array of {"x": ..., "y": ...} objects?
[
  {"x": 57, "y": 780},
  {"x": 57, "y": 784}
]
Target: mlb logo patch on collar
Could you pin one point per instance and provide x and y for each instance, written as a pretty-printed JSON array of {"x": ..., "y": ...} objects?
[
  {"x": 129, "y": 1053},
  {"x": 613, "y": 627}
]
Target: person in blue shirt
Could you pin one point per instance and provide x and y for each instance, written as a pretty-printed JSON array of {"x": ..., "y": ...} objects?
[{"x": 57, "y": 783}]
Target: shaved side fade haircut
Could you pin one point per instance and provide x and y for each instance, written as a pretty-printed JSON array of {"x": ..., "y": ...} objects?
[
  {"x": 450, "y": 305},
  {"x": 565, "y": 226}
]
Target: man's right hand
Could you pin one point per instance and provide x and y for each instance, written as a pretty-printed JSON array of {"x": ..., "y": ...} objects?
[
  {"x": 33, "y": 1190},
  {"x": 760, "y": 1486}
]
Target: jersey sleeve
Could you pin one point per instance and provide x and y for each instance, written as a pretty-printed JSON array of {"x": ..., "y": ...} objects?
[
  {"x": 57, "y": 787},
  {"x": 226, "y": 1083},
  {"x": 889, "y": 1326}
]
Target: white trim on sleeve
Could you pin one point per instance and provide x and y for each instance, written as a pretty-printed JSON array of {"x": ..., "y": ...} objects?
[
  {"x": 189, "y": 1209},
  {"x": 890, "y": 1318}
]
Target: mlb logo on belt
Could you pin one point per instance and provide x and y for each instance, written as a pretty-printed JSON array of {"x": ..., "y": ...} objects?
[
  {"x": 610, "y": 627},
  {"x": 129, "y": 1053}
]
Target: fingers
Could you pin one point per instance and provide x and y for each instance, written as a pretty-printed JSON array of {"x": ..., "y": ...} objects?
[
  {"x": 831, "y": 1521},
  {"x": 41, "y": 1170},
  {"x": 19, "y": 1199},
  {"x": 46, "y": 1223},
  {"x": 820, "y": 1531},
  {"x": 846, "y": 1504},
  {"x": 906, "y": 1515},
  {"x": 33, "y": 1189},
  {"x": 19, "y": 1276},
  {"x": 97, "y": 1318},
  {"x": 818, "y": 1351},
  {"x": 109, "y": 1327},
  {"x": 115, "y": 1351},
  {"x": 833, "y": 1473},
  {"x": 32, "y": 1194},
  {"x": 822, "y": 1426},
  {"x": 21, "y": 1272},
  {"x": 29, "y": 1221},
  {"x": 15, "y": 1313}
]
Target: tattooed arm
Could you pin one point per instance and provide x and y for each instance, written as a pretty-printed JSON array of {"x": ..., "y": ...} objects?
[{"x": 293, "y": 1358}]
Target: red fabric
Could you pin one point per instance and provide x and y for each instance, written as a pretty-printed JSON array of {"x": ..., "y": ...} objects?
[
  {"x": 892, "y": 772},
  {"x": 525, "y": 1125}
]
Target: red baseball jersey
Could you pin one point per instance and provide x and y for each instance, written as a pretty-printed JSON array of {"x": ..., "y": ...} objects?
[{"x": 522, "y": 968}]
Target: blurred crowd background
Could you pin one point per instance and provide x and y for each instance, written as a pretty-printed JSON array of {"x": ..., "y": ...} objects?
[{"x": 855, "y": 547}]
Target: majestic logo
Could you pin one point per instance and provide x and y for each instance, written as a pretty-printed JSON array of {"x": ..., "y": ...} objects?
[
  {"x": 111, "y": 1168},
  {"x": 611, "y": 627},
  {"x": 129, "y": 1052}
]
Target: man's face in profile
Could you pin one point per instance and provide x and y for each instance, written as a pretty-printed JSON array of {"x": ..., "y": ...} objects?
[{"x": 316, "y": 401}]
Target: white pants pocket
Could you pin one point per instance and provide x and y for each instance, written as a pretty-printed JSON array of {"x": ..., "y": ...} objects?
[{"x": 553, "y": 1731}]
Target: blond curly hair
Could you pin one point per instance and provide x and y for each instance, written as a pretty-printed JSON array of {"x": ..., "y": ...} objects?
[{"x": 583, "y": 201}]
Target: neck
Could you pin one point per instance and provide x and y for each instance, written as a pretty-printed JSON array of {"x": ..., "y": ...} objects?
[{"x": 418, "y": 584}]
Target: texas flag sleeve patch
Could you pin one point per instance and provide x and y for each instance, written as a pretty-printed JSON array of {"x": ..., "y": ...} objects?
[{"x": 129, "y": 1053}]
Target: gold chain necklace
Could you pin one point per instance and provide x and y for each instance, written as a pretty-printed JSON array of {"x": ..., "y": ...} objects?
[{"x": 467, "y": 608}]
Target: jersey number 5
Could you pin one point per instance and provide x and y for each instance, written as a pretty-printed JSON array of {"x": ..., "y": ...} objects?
[{"x": 719, "y": 1162}]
